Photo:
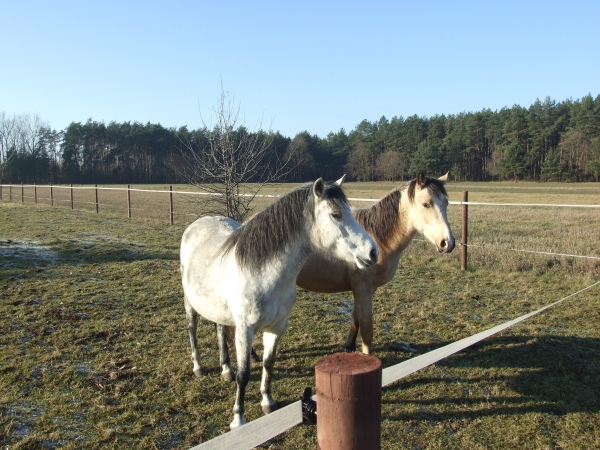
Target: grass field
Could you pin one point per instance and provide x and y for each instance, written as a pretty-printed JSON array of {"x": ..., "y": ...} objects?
[{"x": 94, "y": 352}]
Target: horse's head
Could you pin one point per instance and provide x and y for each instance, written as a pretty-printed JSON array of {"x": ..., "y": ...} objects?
[
  {"x": 428, "y": 201},
  {"x": 335, "y": 231}
]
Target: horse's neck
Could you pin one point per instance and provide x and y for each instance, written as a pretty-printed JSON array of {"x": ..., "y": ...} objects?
[
  {"x": 287, "y": 264},
  {"x": 406, "y": 230}
]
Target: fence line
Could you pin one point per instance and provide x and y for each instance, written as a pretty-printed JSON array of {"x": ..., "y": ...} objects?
[
  {"x": 534, "y": 251},
  {"x": 261, "y": 430},
  {"x": 160, "y": 191},
  {"x": 519, "y": 250},
  {"x": 525, "y": 204},
  {"x": 171, "y": 213}
]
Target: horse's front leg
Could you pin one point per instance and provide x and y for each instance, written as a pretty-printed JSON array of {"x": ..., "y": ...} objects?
[
  {"x": 226, "y": 372},
  {"x": 191, "y": 319},
  {"x": 362, "y": 318},
  {"x": 243, "y": 346},
  {"x": 353, "y": 333},
  {"x": 270, "y": 341},
  {"x": 363, "y": 304}
]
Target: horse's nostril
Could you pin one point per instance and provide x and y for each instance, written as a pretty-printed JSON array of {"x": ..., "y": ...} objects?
[{"x": 374, "y": 254}]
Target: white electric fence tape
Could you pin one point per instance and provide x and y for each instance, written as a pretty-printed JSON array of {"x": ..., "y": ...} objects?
[
  {"x": 258, "y": 431},
  {"x": 394, "y": 373}
]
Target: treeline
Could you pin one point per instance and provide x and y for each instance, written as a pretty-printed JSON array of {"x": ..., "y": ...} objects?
[{"x": 548, "y": 141}]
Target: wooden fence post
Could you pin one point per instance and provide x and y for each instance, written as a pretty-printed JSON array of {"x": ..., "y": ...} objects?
[
  {"x": 51, "y": 195},
  {"x": 72, "y": 203},
  {"x": 0, "y": 191},
  {"x": 35, "y": 192},
  {"x": 128, "y": 203},
  {"x": 465, "y": 227},
  {"x": 171, "y": 203},
  {"x": 348, "y": 402},
  {"x": 10, "y": 191},
  {"x": 22, "y": 193},
  {"x": 96, "y": 198}
]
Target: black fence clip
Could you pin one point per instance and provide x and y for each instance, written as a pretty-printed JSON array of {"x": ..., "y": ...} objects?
[{"x": 309, "y": 407}]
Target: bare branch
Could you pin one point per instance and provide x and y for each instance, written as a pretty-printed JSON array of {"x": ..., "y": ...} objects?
[{"x": 230, "y": 163}]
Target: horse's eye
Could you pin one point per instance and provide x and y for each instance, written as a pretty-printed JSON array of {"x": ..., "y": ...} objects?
[
  {"x": 425, "y": 205},
  {"x": 336, "y": 215}
]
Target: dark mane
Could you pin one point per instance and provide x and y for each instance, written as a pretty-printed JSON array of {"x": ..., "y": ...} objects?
[
  {"x": 382, "y": 220},
  {"x": 433, "y": 184},
  {"x": 278, "y": 225}
]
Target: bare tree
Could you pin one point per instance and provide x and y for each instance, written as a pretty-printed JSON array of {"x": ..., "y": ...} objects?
[
  {"x": 24, "y": 142},
  {"x": 8, "y": 143},
  {"x": 229, "y": 163},
  {"x": 391, "y": 166},
  {"x": 361, "y": 163},
  {"x": 299, "y": 158}
]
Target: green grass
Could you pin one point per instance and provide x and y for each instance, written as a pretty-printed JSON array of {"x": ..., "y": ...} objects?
[{"x": 94, "y": 352}]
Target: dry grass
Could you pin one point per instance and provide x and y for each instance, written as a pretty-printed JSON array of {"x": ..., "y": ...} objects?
[{"x": 94, "y": 352}]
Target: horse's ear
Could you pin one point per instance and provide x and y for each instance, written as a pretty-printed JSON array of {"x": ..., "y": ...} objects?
[
  {"x": 444, "y": 178},
  {"x": 421, "y": 179},
  {"x": 340, "y": 181},
  {"x": 319, "y": 188}
]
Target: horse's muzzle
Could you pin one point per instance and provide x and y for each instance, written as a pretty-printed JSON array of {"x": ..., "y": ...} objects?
[
  {"x": 446, "y": 246},
  {"x": 372, "y": 260}
]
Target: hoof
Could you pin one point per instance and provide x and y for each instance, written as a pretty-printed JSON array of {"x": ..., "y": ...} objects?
[
  {"x": 255, "y": 356},
  {"x": 268, "y": 409},
  {"x": 227, "y": 376},
  {"x": 350, "y": 348},
  {"x": 236, "y": 424},
  {"x": 198, "y": 372}
]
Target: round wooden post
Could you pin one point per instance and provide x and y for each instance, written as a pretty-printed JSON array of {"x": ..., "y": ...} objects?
[
  {"x": 22, "y": 193},
  {"x": 348, "y": 402},
  {"x": 35, "y": 192},
  {"x": 171, "y": 203},
  {"x": 128, "y": 203},
  {"x": 10, "y": 191},
  {"x": 465, "y": 226},
  {"x": 51, "y": 195},
  {"x": 72, "y": 203}
]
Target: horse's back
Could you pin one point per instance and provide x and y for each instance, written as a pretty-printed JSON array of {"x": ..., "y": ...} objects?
[
  {"x": 208, "y": 229},
  {"x": 205, "y": 273}
]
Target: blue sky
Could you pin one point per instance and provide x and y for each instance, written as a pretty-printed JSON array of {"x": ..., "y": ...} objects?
[{"x": 312, "y": 65}]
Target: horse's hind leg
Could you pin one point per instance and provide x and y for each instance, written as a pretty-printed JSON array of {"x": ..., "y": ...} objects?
[
  {"x": 191, "y": 319},
  {"x": 243, "y": 347},
  {"x": 226, "y": 372},
  {"x": 255, "y": 356}
]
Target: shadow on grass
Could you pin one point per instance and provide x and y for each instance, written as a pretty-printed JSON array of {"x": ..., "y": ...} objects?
[
  {"x": 512, "y": 375},
  {"x": 20, "y": 255}
]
